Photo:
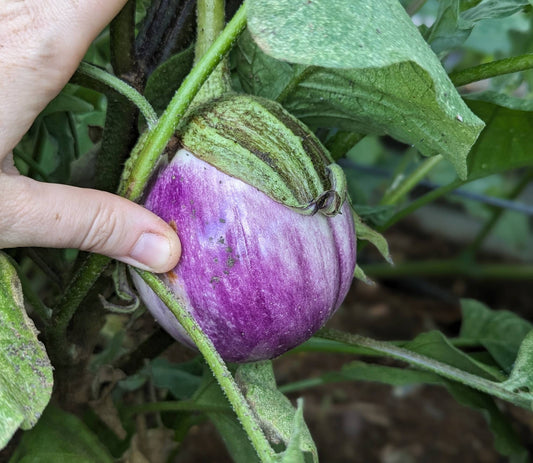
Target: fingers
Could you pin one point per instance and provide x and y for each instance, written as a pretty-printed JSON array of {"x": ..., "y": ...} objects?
[
  {"x": 42, "y": 43},
  {"x": 51, "y": 215}
]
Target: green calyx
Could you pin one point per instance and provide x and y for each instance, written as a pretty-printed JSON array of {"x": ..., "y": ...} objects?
[{"x": 258, "y": 142}]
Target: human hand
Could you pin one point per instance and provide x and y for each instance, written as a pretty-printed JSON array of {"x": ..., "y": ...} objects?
[{"x": 41, "y": 44}]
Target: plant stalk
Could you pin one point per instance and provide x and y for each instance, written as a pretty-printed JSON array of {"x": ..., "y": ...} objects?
[
  {"x": 428, "y": 364},
  {"x": 492, "y": 69},
  {"x": 395, "y": 195},
  {"x": 216, "y": 364},
  {"x": 157, "y": 139},
  {"x": 455, "y": 267},
  {"x": 123, "y": 88}
]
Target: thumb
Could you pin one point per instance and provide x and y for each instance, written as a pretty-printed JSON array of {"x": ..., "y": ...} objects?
[{"x": 61, "y": 216}]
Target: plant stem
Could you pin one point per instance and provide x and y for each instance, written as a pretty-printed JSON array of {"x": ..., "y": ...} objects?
[
  {"x": 428, "y": 364},
  {"x": 123, "y": 88},
  {"x": 342, "y": 142},
  {"x": 300, "y": 73},
  {"x": 492, "y": 69},
  {"x": 422, "y": 201},
  {"x": 463, "y": 267},
  {"x": 210, "y": 22},
  {"x": 395, "y": 195},
  {"x": 74, "y": 294},
  {"x": 216, "y": 364},
  {"x": 474, "y": 246},
  {"x": 156, "y": 141}
]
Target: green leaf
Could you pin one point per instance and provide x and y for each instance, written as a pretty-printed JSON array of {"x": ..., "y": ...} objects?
[
  {"x": 274, "y": 410},
  {"x": 166, "y": 79},
  {"x": 182, "y": 380},
  {"x": 500, "y": 332},
  {"x": 521, "y": 377},
  {"x": 60, "y": 437},
  {"x": 506, "y": 141},
  {"x": 227, "y": 424},
  {"x": 25, "y": 370},
  {"x": 259, "y": 73},
  {"x": 372, "y": 73},
  {"x": 365, "y": 233},
  {"x": 293, "y": 453},
  {"x": 435, "y": 345}
]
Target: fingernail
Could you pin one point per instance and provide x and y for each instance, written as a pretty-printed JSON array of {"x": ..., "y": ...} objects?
[{"x": 151, "y": 252}]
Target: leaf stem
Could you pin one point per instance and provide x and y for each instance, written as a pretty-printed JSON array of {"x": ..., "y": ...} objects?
[
  {"x": 422, "y": 201},
  {"x": 474, "y": 246},
  {"x": 300, "y": 73},
  {"x": 157, "y": 139},
  {"x": 217, "y": 365},
  {"x": 463, "y": 267},
  {"x": 492, "y": 69},
  {"x": 121, "y": 87},
  {"x": 427, "y": 364},
  {"x": 74, "y": 294},
  {"x": 395, "y": 195}
]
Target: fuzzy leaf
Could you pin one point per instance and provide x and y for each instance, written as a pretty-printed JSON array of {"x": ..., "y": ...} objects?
[
  {"x": 372, "y": 73},
  {"x": 25, "y": 370},
  {"x": 499, "y": 331},
  {"x": 276, "y": 414},
  {"x": 521, "y": 377}
]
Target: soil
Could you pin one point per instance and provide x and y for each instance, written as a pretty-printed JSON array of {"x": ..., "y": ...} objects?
[{"x": 363, "y": 422}]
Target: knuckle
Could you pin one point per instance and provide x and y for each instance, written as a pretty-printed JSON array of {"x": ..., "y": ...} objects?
[
  {"x": 15, "y": 206},
  {"x": 102, "y": 232}
]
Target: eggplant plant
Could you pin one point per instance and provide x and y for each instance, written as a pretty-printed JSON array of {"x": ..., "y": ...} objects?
[{"x": 280, "y": 139}]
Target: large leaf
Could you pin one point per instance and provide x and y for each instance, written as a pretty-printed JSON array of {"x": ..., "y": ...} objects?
[
  {"x": 25, "y": 371},
  {"x": 500, "y": 332},
  {"x": 60, "y": 437},
  {"x": 372, "y": 72},
  {"x": 506, "y": 141}
]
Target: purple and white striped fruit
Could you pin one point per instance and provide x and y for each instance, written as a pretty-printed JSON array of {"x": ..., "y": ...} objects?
[{"x": 263, "y": 266}]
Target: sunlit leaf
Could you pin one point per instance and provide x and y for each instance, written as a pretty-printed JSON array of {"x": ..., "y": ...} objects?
[{"x": 371, "y": 72}]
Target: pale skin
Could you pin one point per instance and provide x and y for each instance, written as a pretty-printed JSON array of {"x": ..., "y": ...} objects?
[{"x": 41, "y": 45}]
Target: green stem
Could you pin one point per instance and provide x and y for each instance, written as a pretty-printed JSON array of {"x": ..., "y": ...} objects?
[
  {"x": 342, "y": 142},
  {"x": 157, "y": 139},
  {"x": 455, "y": 267},
  {"x": 492, "y": 69},
  {"x": 123, "y": 88},
  {"x": 210, "y": 22},
  {"x": 217, "y": 365},
  {"x": 18, "y": 153},
  {"x": 473, "y": 247},
  {"x": 299, "y": 75},
  {"x": 427, "y": 364},
  {"x": 395, "y": 195},
  {"x": 74, "y": 294},
  {"x": 420, "y": 202},
  {"x": 175, "y": 406}
]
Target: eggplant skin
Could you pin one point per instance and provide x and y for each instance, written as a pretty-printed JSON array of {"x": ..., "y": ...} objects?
[{"x": 258, "y": 277}]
